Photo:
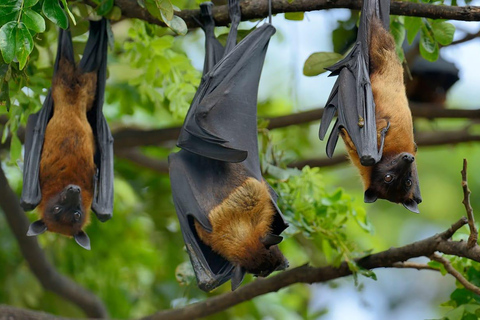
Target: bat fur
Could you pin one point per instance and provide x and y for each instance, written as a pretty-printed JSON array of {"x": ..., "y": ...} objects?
[
  {"x": 239, "y": 224},
  {"x": 69, "y": 146},
  {"x": 395, "y": 176}
]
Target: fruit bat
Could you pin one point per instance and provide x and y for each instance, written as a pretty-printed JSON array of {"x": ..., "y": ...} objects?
[
  {"x": 68, "y": 145},
  {"x": 374, "y": 119},
  {"x": 227, "y": 212}
]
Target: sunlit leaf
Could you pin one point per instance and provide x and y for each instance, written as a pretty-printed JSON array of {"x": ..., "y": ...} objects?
[
  {"x": 54, "y": 12},
  {"x": 33, "y": 21},
  {"x": 7, "y": 41},
  {"x": 318, "y": 61},
  {"x": 23, "y": 44}
]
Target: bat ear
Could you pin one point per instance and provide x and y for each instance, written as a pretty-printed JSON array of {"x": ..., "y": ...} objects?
[
  {"x": 370, "y": 196},
  {"x": 411, "y": 205},
  {"x": 271, "y": 240},
  {"x": 237, "y": 278},
  {"x": 83, "y": 240},
  {"x": 36, "y": 228}
]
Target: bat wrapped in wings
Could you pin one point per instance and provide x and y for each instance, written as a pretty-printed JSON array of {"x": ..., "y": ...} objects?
[
  {"x": 227, "y": 212},
  {"x": 68, "y": 145},
  {"x": 373, "y": 116}
]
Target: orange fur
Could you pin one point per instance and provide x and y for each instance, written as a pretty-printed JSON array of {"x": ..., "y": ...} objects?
[
  {"x": 391, "y": 104},
  {"x": 239, "y": 223},
  {"x": 68, "y": 149}
]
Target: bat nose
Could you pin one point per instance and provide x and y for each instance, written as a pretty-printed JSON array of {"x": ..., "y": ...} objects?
[
  {"x": 408, "y": 158},
  {"x": 73, "y": 188}
]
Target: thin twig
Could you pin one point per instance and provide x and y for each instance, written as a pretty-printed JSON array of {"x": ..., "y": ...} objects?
[
  {"x": 457, "y": 275},
  {"x": 472, "y": 239},
  {"x": 413, "y": 265}
]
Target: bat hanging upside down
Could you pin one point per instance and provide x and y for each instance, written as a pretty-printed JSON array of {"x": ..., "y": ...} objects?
[
  {"x": 63, "y": 180},
  {"x": 374, "y": 119},
  {"x": 227, "y": 211}
]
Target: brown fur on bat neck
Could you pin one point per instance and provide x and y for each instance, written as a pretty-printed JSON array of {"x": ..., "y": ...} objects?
[
  {"x": 67, "y": 165},
  {"x": 241, "y": 230},
  {"x": 394, "y": 177}
]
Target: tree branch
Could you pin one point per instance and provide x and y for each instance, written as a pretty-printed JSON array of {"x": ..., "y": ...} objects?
[
  {"x": 423, "y": 139},
  {"x": 472, "y": 239},
  {"x": 258, "y": 9},
  {"x": 306, "y": 274},
  {"x": 127, "y": 138},
  {"x": 47, "y": 275},
  {"x": 457, "y": 275}
]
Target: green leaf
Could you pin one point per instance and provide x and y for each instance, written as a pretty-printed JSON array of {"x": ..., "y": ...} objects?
[
  {"x": 33, "y": 21},
  {"x": 177, "y": 25},
  {"x": 70, "y": 14},
  {"x": 428, "y": 46},
  {"x": 166, "y": 9},
  {"x": 443, "y": 32},
  {"x": 397, "y": 30},
  {"x": 29, "y": 3},
  {"x": 9, "y": 10},
  {"x": 413, "y": 25},
  {"x": 24, "y": 44},
  {"x": 295, "y": 16},
  {"x": 7, "y": 41},
  {"x": 5, "y": 95},
  {"x": 105, "y": 7},
  {"x": 15, "y": 148},
  {"x": 318, "y": 61},
  {"x": 54, "y": 12},
  {"x": 114, "y": 14}
]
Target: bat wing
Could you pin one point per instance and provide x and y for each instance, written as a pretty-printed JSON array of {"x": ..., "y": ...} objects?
[
  {"x": 351, "y": 97},
  {"x": 95, "y": 59},
  {"x": 35, "y": 133},
  {"x": 194, "y": 189},
  {"x": 222, "y": 123},
  {"x": 199, "y": 184}
]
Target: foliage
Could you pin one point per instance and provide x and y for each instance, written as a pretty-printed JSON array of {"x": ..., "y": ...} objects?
[{"x": 137, "y": 264}]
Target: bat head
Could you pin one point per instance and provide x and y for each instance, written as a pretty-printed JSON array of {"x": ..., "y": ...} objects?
[
  {"x": 263, "y": 261},
  {"x": 395, "y": 179},
  {"x": 268, "y": 257},
  {"x": 64, "y": 214}
]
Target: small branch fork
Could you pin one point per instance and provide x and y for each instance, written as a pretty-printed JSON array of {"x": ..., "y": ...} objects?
[{"x": 472, "y": 239}]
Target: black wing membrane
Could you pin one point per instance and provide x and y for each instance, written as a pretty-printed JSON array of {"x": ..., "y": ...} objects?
[
  {"x": 94, "y": 59},
  {"x": 35, "y": 132},
  {"x": 351, "y": 97},
  {"x": 220, "y": 147}
]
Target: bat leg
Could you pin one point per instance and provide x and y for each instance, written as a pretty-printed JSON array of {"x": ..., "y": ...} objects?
[{"x": 383, "y": 133}]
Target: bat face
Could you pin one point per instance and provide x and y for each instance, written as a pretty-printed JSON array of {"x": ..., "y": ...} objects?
[
  {"x": 267, "y": 260},
  {"x": 395, "y": 179},
  {"x": 66, "y": 209},
  {"x": 64, "y": 214}
]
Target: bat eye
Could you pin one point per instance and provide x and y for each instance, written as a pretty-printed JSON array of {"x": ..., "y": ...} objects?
[
  {"x": 408, "y": 183},
  {"x": 388, "y": 178},
  {"x": 56, "y": 209},
  {"x": 77, "y": 216}
]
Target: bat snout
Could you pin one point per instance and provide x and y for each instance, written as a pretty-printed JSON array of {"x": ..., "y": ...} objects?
[
  {"x": 407, "y": 157},
  {"x": 72, "y": 189}
]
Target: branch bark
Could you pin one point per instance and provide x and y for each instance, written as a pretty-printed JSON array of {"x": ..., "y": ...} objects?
[
  {"x": 44, "y": 271},
  {"x": 257, "y": 9}
]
